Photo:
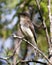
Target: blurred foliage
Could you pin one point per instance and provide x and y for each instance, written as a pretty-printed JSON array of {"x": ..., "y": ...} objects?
[
  {"x": 9, "y": 5},
  {"x": 44, "y": 8},
  {"x": 23, "y": 48}
]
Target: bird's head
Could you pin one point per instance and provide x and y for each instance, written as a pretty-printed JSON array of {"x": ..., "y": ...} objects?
[{"x": 23, "y": 16}]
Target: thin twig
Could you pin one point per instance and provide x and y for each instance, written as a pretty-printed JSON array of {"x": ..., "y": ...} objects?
[
  {"x": 27, "y": 61},
  {"x": 36, "y": 48},
  {"x": 5, "y": 60},
  {"x": 43, "y": 23},
  {"x": 14, "y": 51}
]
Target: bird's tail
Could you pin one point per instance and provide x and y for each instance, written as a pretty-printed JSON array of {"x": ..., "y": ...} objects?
[{"x": 34, "y": 42}]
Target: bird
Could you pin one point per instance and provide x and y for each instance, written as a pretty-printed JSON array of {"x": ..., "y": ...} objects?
[{"x": 27, "y": 28}]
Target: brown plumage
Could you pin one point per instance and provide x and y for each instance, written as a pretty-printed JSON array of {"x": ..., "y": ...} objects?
[{"x": 27, "y": 28}]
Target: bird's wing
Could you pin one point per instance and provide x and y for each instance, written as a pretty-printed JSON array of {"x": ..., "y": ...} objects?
[{"x": 31, "y": 26}]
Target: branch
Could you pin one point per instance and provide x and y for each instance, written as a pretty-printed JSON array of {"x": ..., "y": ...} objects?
[
  {"x": 26, "y": 61},
  {"x": 47, "y": 35},
  {"x": 20, "y": 3},
  {"x": 37, "y": 2},
  {"x": 22, "y": 38},
  {"x": 44, "y": 24},
  {"x": 14, "y": 50},
  {"x": 5, "y": 60},
  {"x": 23, "y": 3},
  {"x": 50, "y": 18}
]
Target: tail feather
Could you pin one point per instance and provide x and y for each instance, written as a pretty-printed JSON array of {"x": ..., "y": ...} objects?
[{"x": 34, "y": 42}]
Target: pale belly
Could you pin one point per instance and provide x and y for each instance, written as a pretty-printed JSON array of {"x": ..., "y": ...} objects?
[{"x": 27, "y": 31}]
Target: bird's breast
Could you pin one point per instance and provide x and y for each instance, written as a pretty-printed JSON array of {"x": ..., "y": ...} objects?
[{"x": 27, "y": 31}]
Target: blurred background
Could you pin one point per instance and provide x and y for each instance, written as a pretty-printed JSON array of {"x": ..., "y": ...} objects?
[{"x": 9, "y": 10}]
